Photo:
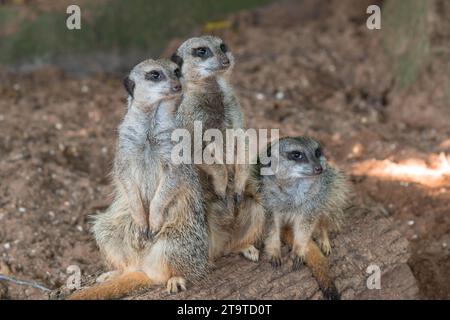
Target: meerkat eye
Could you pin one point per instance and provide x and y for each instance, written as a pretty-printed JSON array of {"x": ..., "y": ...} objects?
[
  {"x": 202, "y": 52},
  {"x": 296, "y": 155},
  {"x": 224, "y": 48},
  {"x": 318, "y": 153},
  {"x": 177, "y": 73},
  {"x": 154, "y": 76}
]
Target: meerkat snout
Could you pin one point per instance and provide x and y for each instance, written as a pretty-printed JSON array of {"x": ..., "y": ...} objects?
[
  {"x": 176, "y": 87},
  {"x": 203, "y": 57},
  {"x": 153, "y": 80},
  {"x": 318, "y": 169}
]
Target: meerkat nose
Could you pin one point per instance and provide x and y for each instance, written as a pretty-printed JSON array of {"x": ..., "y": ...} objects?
[
  {"x": 225, "y": 62},
  {"x": 176, "y": 88},
  {"x": 318, "y": 169}
]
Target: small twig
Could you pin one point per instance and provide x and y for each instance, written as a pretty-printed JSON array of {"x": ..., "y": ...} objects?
[{"x": 25, "y": 283}]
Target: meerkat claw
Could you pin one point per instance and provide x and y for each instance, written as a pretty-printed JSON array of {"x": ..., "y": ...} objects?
[
  {"x": 176, "y": 284},
  {"x": 326, "y": 247},
  {"x": 142, "y": 236},
  {"x": 275, "y": 261},
  {"x": 237, "y": 198},
  {"x": 297, "y": 262},
  {"x": 145, "y": 233}
]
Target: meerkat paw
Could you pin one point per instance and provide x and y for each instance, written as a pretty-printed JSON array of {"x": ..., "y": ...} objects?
[
  {"x": 141, "y": 236},
  {"x": 155, "y": 218},
  {"x": 238, "y": 198},
  {"x": 251, "y": 253},
  {"x": 275, "y": 261},
  {"x": 297, "y": 261},
  {"x": 155, "y": 224},
  {"x": 325, "y": 246},
  {"x": 176, "y": 284},
  {"x": 107, "y": 276}
]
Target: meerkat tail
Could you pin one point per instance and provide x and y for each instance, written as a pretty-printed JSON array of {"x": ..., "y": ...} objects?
[
  {"x": 115, "y": 288},
  {"x": 320, "y": 269},
  {"x": 318, "y": 264}
]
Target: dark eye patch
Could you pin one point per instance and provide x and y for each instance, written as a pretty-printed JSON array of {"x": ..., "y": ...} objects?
[
  {"x": 318, "y": 153},
  {"x": 224, "y": 48},
  {"x": 296, "y": 156},
  {"x": 202, "y": 52},
  {"x": 177, "y": 73},
  {"x": 154, "y": 76}
]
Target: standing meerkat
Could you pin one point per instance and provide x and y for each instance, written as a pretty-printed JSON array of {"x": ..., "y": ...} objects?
[
  {"x": 206, "y": 65},
  {"x": 147, "y": 183},
  {"x": 304, "y": 195}
]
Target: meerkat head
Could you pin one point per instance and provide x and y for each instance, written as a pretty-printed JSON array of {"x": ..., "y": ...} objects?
[
  {"x": 203, "y": 57},
  {"x": 152, "y": 81},
  {"x": 298, "y": 157}
]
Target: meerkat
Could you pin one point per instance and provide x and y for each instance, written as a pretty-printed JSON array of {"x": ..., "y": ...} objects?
[
  {"x": 305, "y": 195},
  {"x": 148, "y": 185},
  {"x": 206, "y": 65},
  {"x": 144, "y": 145}
]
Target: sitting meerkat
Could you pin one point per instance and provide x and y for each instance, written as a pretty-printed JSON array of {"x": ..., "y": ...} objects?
[
  {"x": 146, "y": 182},
  {"x": 141, "y": 170},
  {"x": 206, "y": 65},
  {"x": 304, "y": 195}
]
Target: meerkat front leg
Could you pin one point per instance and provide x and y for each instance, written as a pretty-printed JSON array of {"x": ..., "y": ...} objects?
[
  {"x": 166, "y": 191},
  {"x": 323, "y": 239},
  {"x": 242, "y": 159},
  {"x": 302, "y": 229},
  {"x": 138, "y": 212},
  {"x": 219, "y": 175},
  {"x": 240, "y": 179},
  {"x": 272, "y": 243}
]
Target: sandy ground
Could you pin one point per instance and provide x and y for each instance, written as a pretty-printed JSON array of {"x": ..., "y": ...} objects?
[{"x": 308, "y": 72}]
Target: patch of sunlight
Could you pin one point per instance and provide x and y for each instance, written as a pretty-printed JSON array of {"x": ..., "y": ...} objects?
[{"x": 433, "y": 173}]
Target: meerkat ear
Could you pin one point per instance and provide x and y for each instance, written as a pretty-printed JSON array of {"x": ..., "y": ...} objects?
[
  {"x": 129, "y": 85},
  {"x": 177, "y": 59}
]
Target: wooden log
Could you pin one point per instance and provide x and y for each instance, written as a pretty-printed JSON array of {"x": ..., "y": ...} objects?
[{"x": 368, "y": 238}]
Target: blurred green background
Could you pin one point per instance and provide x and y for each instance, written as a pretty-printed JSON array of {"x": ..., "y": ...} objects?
[
  {"x": 117, "y": 33},
  {"x": 38, "y": 31}
]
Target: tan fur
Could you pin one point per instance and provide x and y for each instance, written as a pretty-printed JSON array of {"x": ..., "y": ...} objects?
[
  {"x": 176, "y": 250},
  {"x": 303, "y": 197},
  {"x": 209, "y": 98},
  {"x": 114, "y": 288}
]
